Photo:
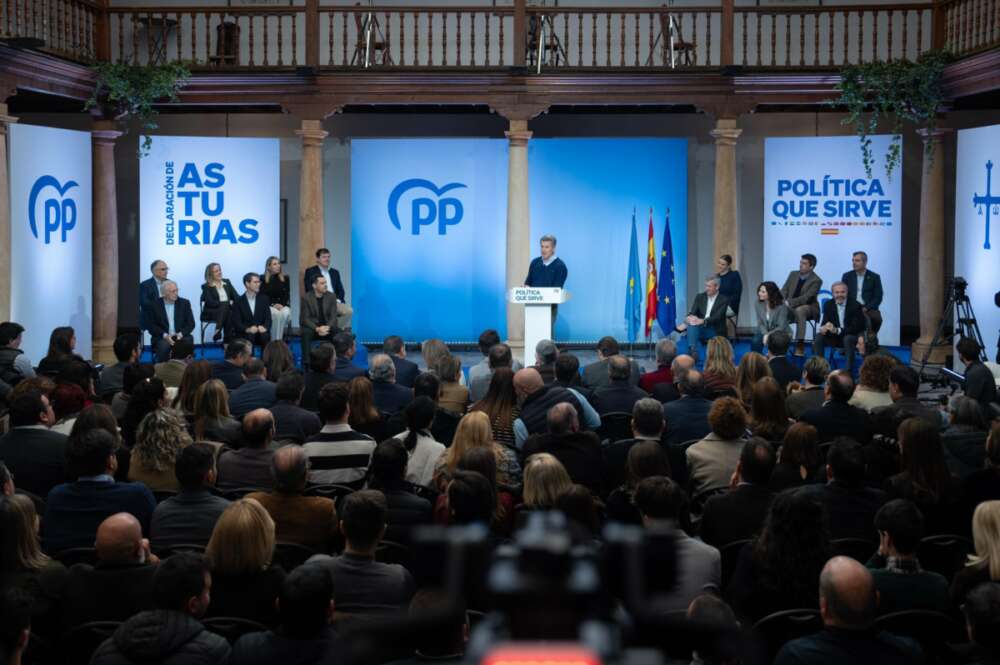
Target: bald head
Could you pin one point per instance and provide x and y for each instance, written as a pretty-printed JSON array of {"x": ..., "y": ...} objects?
[
  {"x": 289, "y": 468},
  {"x": 258, "y": 427},
  {"x": 681, "y": 364},
  {"x": 846, "y": 594},
  {"x": 527, "y": 381},
  {"x": 562, "y": 419},
  {"x": 618, "y": 368},
  {"x": 119, "y": 539}
]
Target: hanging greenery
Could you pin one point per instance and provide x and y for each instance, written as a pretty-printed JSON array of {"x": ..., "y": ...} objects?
[
  {"x": 893, "y": 93},
  {"x": 124, "y": 90}
]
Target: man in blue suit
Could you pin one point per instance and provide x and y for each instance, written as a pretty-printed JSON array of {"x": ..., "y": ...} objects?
[
  {"x": 406, "y": 371},
  {"x": 389, "y": 396},
  {"x": 251, "y": 315},
  {"x": 255, "y": 393},
  {"x": 168, "y": 320},
  {"x": 152, "y": 288},
  {"x": 345, "y": 370},
  {"x": 687, "y": 417},
  {"x": 865, "y": 287}
]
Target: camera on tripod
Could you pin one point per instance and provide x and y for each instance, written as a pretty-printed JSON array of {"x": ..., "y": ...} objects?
[{"x": 958, "y": 286}]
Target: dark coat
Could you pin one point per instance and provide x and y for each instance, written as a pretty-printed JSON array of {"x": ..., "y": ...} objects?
[
  {"x": 620, "y": 396},
  {"x": 406, "y": 371},
  {"x": 105, "y": 592},
  {"x": 716, "y": 319},
  {"x": 277, "y": 290},
  {"x": 337, "y": 288},
  {"x": 854, "y": 319},
  {"x": 293, "y": 423},
  {"x": 165, "y": 637},
  {"x": 230, "y": 374},
  {"x": 595, "y": 374},
  {"x": 314, "y": 383},
  {"x": 835, "y": 419},
  {"x": 345, "y": 370},
  {"x": 535, "y": 409},
  {"x": 253, "y": 394},
  {"x": 36, "y": 457},
  {"x": 871, "y": 288},
  {"x": 391, "y": 397},
  {"x": 156, "y": 318},
  {"x": 579, "y": 452},
  {"x": 687, "y": 419},
  {"x": 210, "y": 299},
  {"x": 736, "y": 515},
  {"x": 242, "y": 318},
  {"x": 981, "y": 386},
  {"x": 784, "y": 370},
  {"x": 851, "y": 509}
]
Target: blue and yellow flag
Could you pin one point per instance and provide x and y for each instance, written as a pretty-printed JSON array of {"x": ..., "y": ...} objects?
[
  {"x": 666, "y": 305},
  {"x": 633, "y": 288}
]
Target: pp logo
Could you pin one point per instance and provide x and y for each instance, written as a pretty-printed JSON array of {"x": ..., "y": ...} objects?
[
  {"x": 425, "y": 211},
  {"x": 58, "y": 214}
]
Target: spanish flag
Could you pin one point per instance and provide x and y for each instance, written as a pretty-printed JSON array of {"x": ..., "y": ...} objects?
[{"x": 651, "y": 297}]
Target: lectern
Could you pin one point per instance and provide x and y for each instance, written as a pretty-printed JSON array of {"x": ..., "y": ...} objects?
[{"x": 538, "y": 304}]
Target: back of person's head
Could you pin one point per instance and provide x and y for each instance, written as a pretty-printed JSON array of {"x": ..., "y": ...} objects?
[
  {"x": 134, "y": 375},
  {"x": 361, "y": 401},
  {"x": 9, "y": 331},
  {"x": 500, "y": 356},
  {"x": 381, "y": 369},
  {"x": 95, "y": 416},
  {"x": 546, "y": 351},
  {"x": 545, "y": 478},
  {"x": 333, "y": 402},
  {"x": 793, "y": 544},
  {"x": 691, "y": 383},
  {"x": 362, "y": 518},
  {"x": 388, "y": 465},
  {"x": 192, "y": 465},
  {"x": 471, "y": 498},
  {"x": 238, "y": 348},
  {"x": 968, "y": 349},
  {"x": 846, "y": 460},
  {"x": 659, "y": 498},
  {"x": 427, "y": 385},
  {"x": 727, "y": 418},
  {"x": 903, "y": 521},
  {"x": 125, "y": 345},
  {"x": 800, "y": 446},
  {"x": 182, "y": 349},
  {"x": 487, "y": 340},
  {"x": 847, "y": 593},
  {"x": 986, "y": 536},
  {"x": 420, "y": 415},
  {"x": 607, "y": 346},
  {"x": 922, "y": 455},
  {"x": 27, "y": 409},
  {"x": 15, "y": 622},
  {"x": 778, "y": 342},
  {"x": 567, "y": 368},
  {"x": 290, "y": 469},
  {"x": 965, "y": 411},
  {"x": 242, "y": 540},
  {"x": 179, "y": 584},
  {"x": 392, "y": 345},
  {"x": 20, "y": 549},
  {"x": 254, "y": 367},
  {"x": 448, "y": 368},
  {"x": 647, "y": 417},
  {"x": 646, "y": 459},
  {"x": 147, "y": 395},
  {"x": 304, "y": 602},
  {"x": 90, "y": 454},
  {"x": 982, "y": 618},
  {"x": 875, "y": 371},
  {"x": 448, "y": 633},
  {"x": 61, "y": 342},
  {"x": 343, "y": 342},
  {"x": 757, "y": 460},
  {"x": 119, "y": 540},
  {"x": 562, "y": 419},
  {"x": 579, "y": 507},
  {"x": 816, "y": 370},
  {"x": 666, "y": 351},
  {"x": 321, "y": 357},
  {"x": 258, "y": 428},
  {"x": 619, "y": 368},
  {"x": 840, "y": 385},
  {"x": 717, "y": 623},
  {"x": 481, "y": 460},
  {"x": 290, "y": 386},
  {"x": 906, "y": 380}
]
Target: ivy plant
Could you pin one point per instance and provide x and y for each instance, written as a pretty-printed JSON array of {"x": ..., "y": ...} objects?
[
  {"x": 130, "y": 91},
  {"x": 893, "y": 93}
]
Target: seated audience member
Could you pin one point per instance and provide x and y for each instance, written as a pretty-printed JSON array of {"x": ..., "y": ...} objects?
[
  {"x": 687, "y": 417},
  {"x": 850, "y": 505},
  {"x": 836, "y": 417},
  {"x": 873, "y": 383},
  {"x": 471, "y": 499},
  {"x": 720, "y": 641},
  {"x": 345, "y": 346},
  {"x": 337, "y": 453},
  {"x": 212, "y": 421},
  {"x": 147, "y": 396},
  {"x": 230, "y": 370},
  {"x": 172, "y": 371},
  {"x": 15, "y": 366},
  {"x": 811, "y": 395},
  {"x": 984, "y": 565},
  {"x": 388, "y": 475},
  {"x": 390, "y": 397},
  {"x": 484, "y": 462},
  {"x": 131, "y": 377},
  {"x": 195, "y": 374},
  {"x": 981, "y": 610},
  {"x": 249, "y": 466},
  {"x": 752, "y": 368},
  {"x": 964, "y": 439},
  {"x": 668, "y": 392},
  {"x": 305, "y": 520},
  {"x": 768, "y": 418},
  {"x": 445, "y": 641},
  {"x": 579, "y": 452},
  {"x": 984, "y": 485},
  {"x": 666, "y": 351},
  {"x": 474, "y": 432},
  {"x": 454, "y": 396},
  {"x": 245, "y": 582},
  {"x": 480, "y": 374},
  {"x": 618, "y": 396},
  {"x": 661, "y": 501},
  {"x": 61, "y": 353},
  {"x": 798, "y": 458},
  {"x": 583, "y": 513},
  {"x": 567, "y": 370},
  {"x": 423, "y": 450},
  {"x": 904, "y": 382},
  {"x": 777, "y": 570},
  {"x": 127, "y": 349},
  {"x": 848, "y": 603},
  {"x": 596, "y": 375},
  {"x": 256, "y": 392},
  {"x": 783, "y": 370},
  {"x": 546, "y": 354},
  {"x": 292, "y": 423},
  {"x": 406, "y": 371},
  {"x": 189, "y": 516},
  {"x": 739, "y": 513},
  {"x": 445, "y": 421},
  {"x": 979, "y": 382},
  {"x": 73, "y": 511},
  {"x": 304, "y": 634},
  {"x": 720, "y": 371},
  {"x": 500, "y": 406},
  {"x": 322, "y": 361},
  {"x": 170, "y": 634},
  {"x": 361, "y": 585},
  {"x": 32, "y": 452},
  {"x": 545, "y": 480},
  {"x": 645, "y": 460},
  {"x": 16, "y": 619},
  {"x": 162, "y": 435},
  {"x": 365, "y": 418},
  {"x": 536, "y": 399},
  {"x": 900, "y": 581},
  {"x": 712, "y": 461},
  {"x": 120, "y": 585},
  {"x": 925, "y": 480},
  {"x": 278, "y": 359},
  {"x": 647, "y": 425}
]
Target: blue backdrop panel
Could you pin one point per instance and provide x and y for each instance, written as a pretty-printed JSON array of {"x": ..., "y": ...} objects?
[
  {"x": 583, "y": 191},
  {"x": 428, "y": 241}
]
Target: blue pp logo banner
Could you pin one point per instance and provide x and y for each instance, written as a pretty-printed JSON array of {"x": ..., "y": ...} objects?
[
  {"x": 424, "y": 210},
  {"x": 58, "y": 211}
]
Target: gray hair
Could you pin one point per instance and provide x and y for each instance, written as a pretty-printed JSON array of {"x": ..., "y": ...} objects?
[
  {"x": 666, "y": 351},
  {"x": 714, "y": 278},
  {"x": 381, "y": 368},
  {"x": 548, "y": 237},
  {"x": 619, "y": 367},
  {"x": 164, "y": 285},
  {"x": 836, "y": 284},
  {"x": 546, "y": 351}
]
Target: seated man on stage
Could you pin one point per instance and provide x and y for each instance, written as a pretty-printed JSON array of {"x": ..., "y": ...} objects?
[
  {"x": 152, "y": 288},
  {"x": 318, "y": 315},
  {"x": 168, "y": 320},
  {"x": 843, "y": 321},
  {"x": 251, "y": 315},
  {"x": 800, "y": 291},
  {"x": 707, "y": 317},
  {"x": 333, "y": 284},
  {"x": 865, "y": 286},
  {"x": 547, "y": 270}
]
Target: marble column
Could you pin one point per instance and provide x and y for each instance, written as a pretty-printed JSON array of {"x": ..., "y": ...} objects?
[
  {"x": 4, "y": 217},
  {"x": 518, "y": 228},
  {"x": 311, "y": 219},
  {"x": 105, "y": 237},
  {"x": 726, "y": 231},
  {"x": 930, "y": 262}
]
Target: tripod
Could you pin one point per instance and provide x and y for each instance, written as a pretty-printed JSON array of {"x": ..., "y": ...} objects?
[
  {"x": 370, "y": 39},
  {"x": 958, "y": 303},
  {"x": 543, "y": 42}
]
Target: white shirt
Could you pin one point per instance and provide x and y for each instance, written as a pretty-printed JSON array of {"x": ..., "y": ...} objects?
[
  {"x": 549, "y": 260},
  {"x": 711, "y": 303},
  {"x": 861, "y": 282},
  {"x": 840, "y": 315},
  {"x": 221, "y": 290},
  {"x": 252, "y": 300},
  {"x": 169, "y": 307}
]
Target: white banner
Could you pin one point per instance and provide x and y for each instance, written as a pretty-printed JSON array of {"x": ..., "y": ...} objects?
[
  {"x": 817, "y": 200},
  {"x": 977, "y": 226},
  {"x": 208, "y": 200},
  {"x": 51, "y": 235}
]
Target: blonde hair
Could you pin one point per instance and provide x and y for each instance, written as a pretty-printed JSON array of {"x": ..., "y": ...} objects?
[
  {"x": 753, "y": 367},
  {"x": 211, "y": 402},
  {"x": 242, "y": 540},
  {"x": 208, "y": 273},
  {"x": 719, "y": 358},
  {"x": 266, "y": 275},
  {"x": 986, "y": 537},
  {"x": 545, "y": 480},
  {"x": 432, "y": 350},
  {"x": 160, "y": 437},
  {"x": 29, "y": 550},
  {"x": 473, "y": 431}
]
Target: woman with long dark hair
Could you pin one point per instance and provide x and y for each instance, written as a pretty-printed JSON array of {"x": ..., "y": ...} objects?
[
  {"x": 277, "y": 287},
  {"x": 212, "y": 421},
  {"x": 364, "y": 417},
  {"x": 62, "y": 347},
  {"x": 421, "y": 447},
  {"x": 500, "y": 404},
  {"x": 768, "y": 419},
  {"x": 730, "y": 282},
  {"x": 772, "y": 314},
  {"x": 645, "y": 459},
  {"x": 195, "y": 374},
  {"x": 798, "y": 458},
  {"x": 277, "y": 359},
  {"x": 147, "y": 396}
]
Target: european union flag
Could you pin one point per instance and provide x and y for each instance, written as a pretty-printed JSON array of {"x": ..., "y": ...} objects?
[
  {"x": 666, "y": 292},
  {"x": 633, "y": 289}
]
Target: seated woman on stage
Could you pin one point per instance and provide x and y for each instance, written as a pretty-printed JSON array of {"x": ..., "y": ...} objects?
[
  {"x": 730, "y": 283},
  {"x": 217, "y": 296},
  {"x": 772, "y": 314},
  {"x": 275, "y": 285}
]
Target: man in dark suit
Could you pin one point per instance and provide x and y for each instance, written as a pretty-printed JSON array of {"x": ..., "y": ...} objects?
[
  {"x": 865, "y": 288},
  {"x": 406, "y": 371},
  {"x": 579, "y": 452},
  {"x": 345, "y": 346},
  {"x": 979, "y": 382},
  {"x": 230, "y": 370},
  {"x": 849, "y": 503},
  {"x": 291, "y": 421},
  {"x": 168, "y": 320},
  {"x": 255, "y": 393},
  {"x": 904, "y": 384},
  {"x": 811, "y": 395},
  {"x": 836, "y": 417},
  {"x": 151, "y": 289},
  {"x": 620, "y": 395},
  {"x": 842, "y": 322},
  {"x": 739, "y": 513},
  {"x": 668, "y": 392},
  {"x": 34, "y": 454},
  {"x": 783, "y": 369},
  {"x": 595, "y": 374},
  {"x": 333, "y": 284},
  {"x": 800, "y": 291},
  {"x": 389, "y": 397},
  {"x": 707, "y": 317},
  {"x": 567, "y": 368},
  {"x": 318, "y": 315},
  {"x": 687, "y": 417},
  {"x": 322, "y": 360},
  {"x": 251, "y": 316}
]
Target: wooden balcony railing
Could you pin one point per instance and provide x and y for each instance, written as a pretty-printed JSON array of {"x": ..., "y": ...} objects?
[
  {"x": 64, "y": 27},
  {"x": 969, "y": 26}
]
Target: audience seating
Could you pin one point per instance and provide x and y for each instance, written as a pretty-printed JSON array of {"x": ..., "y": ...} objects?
[
  {"x": 239, "y": 493},
  {"x": 390, "y": 552},
  {"x": 730, "y": 553},
  {"x": 933, "y": 630},
  {"x": 232, "y": 628},
  {"x": 615, "y": 426},
  {"x": 163, "y": 495},
  {"x": 75, "y": 555},
  {"x": 291, "y": 555},
  {"x": 776, "y": 629},
  {"x": 944, "y": 553},
  {"x": 858, "y": 549},
  {"x": 331, "y": 491},
  {"x": 194, "y": 548},
  {"x": 81, "y": 642}
]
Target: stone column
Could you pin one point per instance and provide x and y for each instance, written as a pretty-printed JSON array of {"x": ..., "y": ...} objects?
[
  {"x": 311, "y": 219},
  {"x": 930, "y": 264},
  {"x": 105, "y": 248},
  {"x": 518, "y": 228},
  {"x": 4, "y": 217},
  {"x": 726, "y": 230}
]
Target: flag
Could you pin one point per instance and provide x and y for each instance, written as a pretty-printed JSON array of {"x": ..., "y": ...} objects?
[
  {"x": 666, "y": 305},
  {"x": 651, "y": 296},
  {"x": 633, "y": 286}
]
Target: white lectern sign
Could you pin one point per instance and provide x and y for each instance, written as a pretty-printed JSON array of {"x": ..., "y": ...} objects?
[{"x": 538, "y": 303}]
